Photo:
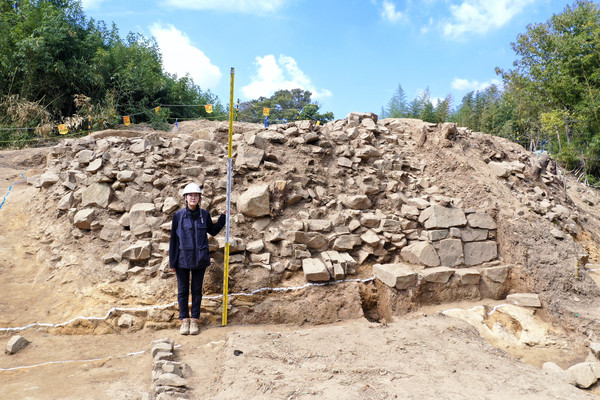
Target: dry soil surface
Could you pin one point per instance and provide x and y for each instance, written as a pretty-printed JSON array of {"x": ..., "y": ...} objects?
[{"x": 422, "y": 355}]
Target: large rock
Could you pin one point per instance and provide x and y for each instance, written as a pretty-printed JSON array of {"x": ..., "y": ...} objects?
[
  {"x": 553, "y": 369},
  {"x": 125, "y": 176},
  {"x": 140, "y": 145},
  {"x": 171, "y": 204},
  {"x": 500, "y": 169},
  {"x": 437, "y": 217},
  {"x": 314, "y": 240},
  {"x": 399, "y": 276},
  {"x": 525, "y": 299},
  {"x": 249, "y": 157},
  {"x": 66, "y": 202},
  {"x": 315, "y": 270},
  {"x": 94, "y": 166},
  {"x": 131, "y": 196},
  {"x": 479, "y": 252},
  {"x": 140, "y": 219},
  {"x": 469, "y": 234},
  {"x": 97, "y": 194},
  {"x": 496, "y": 274},
  {"x": 48, "y": 179},
  {"x": 16, "y": 344},
  {"x": 139, "y": 251},
  {"x": 85, "y": 156},
  {"x": 255, "y": 201},
  {"x": 83, "y": 218},
  {"x": 437, "y": 274},
  {"x": 346, "y": 242},
  {"x": 422, "y": 253},
  {"x": 583, "y": 374},
  {"x": 451, "y": 252},
  {"x": 481, "y": 220},
  {"x": 170, "y": 380},
  {"x": 370, "y": 238},
  {"x": 320, "y": 225},
  {"x": 356, "y": 202},
  {"x": 111, "y": 230},
  {"x": 468, "y": 276},
  {"x": 494, "y": 283}
]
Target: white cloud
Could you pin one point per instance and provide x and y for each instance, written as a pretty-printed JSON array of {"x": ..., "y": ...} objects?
[
  {"x": 280, "y": 74},
  {"x": 389, "y": 12},
  {"x": 181, "y": 57},
  {"x": 467, "y": 85},
  {"x": 426, "y": 28},
  {"x": 91, "y": 4},
  {"x": 481, "y": 16},
  {"x": 242, "y": 6}
]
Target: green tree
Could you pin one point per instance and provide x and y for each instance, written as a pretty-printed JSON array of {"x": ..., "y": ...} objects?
[
  {"x": 442, "y": 109},
  {"x": 45, "y": 47},
  {"x": 558, "y": 71},
  {"x": 51, "y": 55},
  {"x": 397, "y": 106},
  {"x": 284, "y": 106},
  {"x": 426, "y": 109}
]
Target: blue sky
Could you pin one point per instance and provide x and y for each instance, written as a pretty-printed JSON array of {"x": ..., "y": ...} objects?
[{"x": 351, "y": 54}]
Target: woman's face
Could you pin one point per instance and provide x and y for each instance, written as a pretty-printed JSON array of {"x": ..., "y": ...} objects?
[{"x": 193, "y": 199}]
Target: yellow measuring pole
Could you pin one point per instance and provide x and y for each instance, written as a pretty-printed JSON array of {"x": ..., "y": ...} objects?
[{"x": 228, "y": 211}]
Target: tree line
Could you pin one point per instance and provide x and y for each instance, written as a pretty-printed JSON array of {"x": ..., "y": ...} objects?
[
  {"x": 549, "y": 101},
  {"x": 57, "y": 66}
]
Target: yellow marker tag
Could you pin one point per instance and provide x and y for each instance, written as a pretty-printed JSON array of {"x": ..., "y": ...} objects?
[
  {"x": 62, "y": 129},
  {"x": 266, "y": 111},
  {"x": 157, "y": 109},
  {"x": 208, "y": 108},
  {"x": 126, "y": 120}
]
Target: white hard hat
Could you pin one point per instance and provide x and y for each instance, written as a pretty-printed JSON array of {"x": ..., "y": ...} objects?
[{"x": 192, "y": 188}]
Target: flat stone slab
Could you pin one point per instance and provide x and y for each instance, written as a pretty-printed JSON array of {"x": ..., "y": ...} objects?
[
  {"x": 437, "y": 274},
  {"x": 480, "y": 252},
  {"x": 468, "y": 276},
  {"x": 315, "y": 270},
  {"x": 525, "y": 299},
  {"x": 438, "y": 217},
  {"x": 399, "y": 276}
]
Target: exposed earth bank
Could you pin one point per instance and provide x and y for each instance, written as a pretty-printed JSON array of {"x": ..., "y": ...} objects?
[{"x": 355, "y": 338}]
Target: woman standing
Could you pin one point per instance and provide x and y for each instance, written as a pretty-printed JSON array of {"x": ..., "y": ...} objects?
[{"x": 189, "y": 255}]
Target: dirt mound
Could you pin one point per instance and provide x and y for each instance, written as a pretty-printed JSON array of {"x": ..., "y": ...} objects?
[{"x": 465, "y": 215}]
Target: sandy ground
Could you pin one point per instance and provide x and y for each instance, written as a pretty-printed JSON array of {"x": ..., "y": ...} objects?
[{"x": 422, "y": 355}]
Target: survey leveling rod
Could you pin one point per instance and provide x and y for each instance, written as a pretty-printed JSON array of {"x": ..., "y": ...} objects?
[{"x": 228, "y": 211}]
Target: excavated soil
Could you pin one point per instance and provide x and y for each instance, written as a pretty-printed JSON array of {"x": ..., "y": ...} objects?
[{"x": 306, "y": 342}]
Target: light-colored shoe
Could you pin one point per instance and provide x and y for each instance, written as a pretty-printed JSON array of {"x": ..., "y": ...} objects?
[
  {"x": 185, "y": 327},
  {"x": 194, "y": 326}
]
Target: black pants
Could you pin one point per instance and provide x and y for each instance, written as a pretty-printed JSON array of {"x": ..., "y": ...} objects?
[{"x": 183, "y": 291}]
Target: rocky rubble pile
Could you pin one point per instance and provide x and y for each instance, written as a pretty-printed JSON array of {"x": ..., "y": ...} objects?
[
  {"x": 329, "y": 200},
  {"x": 168, "y": 375}
]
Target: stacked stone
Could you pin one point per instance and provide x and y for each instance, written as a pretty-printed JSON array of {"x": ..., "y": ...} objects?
[
  {"x": 354, "y": 192},
  {"x": 168, "y": 375},
  {"x": 448, "y": 242},
  {"x": 125, "y": 191},
  {"x": 363, "y": 204}
]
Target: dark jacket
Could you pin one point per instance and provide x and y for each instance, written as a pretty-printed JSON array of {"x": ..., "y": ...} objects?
[{"x": 188, "y": 247}]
